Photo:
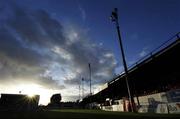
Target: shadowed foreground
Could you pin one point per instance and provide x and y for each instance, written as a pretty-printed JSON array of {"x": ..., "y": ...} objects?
[{"x": 83, "y": 114}]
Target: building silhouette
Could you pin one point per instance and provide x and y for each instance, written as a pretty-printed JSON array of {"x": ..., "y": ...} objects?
[{"x": 18, "y": 102}]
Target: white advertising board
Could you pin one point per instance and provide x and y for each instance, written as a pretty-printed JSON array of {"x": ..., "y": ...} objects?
[
  {"x": 174, "y": 107},
  {"x": 162, "y": 108}
]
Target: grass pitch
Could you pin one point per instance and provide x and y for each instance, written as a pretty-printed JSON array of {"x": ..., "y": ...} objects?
[{"x": 84, "y": 114}]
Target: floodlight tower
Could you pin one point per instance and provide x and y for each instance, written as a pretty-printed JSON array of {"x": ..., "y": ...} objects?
[
  {"x": 114, "y": 18},
  {"x": 82, "y": 88},
  {"x": 90, "y": 79}
]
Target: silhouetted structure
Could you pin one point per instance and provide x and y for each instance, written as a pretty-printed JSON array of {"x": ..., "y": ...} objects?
[
  {"x": 156, "y": 72},
  {"x": 56, "y": 98},
  {"x": 55, "y": 101},
  {"x": 70, "y": 105},
  {"x": 114, "y": 17},
  {"x": 18, "y": 102}
]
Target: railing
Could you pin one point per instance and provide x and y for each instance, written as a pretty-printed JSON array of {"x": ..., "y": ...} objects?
[{"x": 162, "y": 47}]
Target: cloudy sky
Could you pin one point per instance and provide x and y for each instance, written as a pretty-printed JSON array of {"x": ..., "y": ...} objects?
[{"x": 46, "y": 45}]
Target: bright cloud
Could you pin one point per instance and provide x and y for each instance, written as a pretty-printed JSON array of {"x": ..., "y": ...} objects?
[{"x": 36, "y": 49}]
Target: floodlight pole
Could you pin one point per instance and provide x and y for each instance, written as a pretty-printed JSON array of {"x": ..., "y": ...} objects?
[
  {"x": 82, "y": 88},
  {"x": 114, "y": 18},
  {"x": 79, "y": 92},
  {"x": 90, "y": 78}
]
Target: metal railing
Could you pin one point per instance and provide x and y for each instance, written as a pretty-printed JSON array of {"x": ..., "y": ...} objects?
[{"x": 156, "y": 51}]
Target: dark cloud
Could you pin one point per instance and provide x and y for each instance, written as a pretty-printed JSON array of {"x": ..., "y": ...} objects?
[
  {"x": 72, "y": 81},
  {"x": 50, "y": 83},
  {"x": 21, "y": 56},
  {"x": 33, "y": 43}
]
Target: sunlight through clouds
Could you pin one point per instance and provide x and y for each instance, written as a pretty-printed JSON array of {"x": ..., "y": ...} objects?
[{"x": 49, "y": 56}]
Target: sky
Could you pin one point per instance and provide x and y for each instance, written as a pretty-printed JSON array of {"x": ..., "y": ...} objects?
[{"x": 46, "y": 45}]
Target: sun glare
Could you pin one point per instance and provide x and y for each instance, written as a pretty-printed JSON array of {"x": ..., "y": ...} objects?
[
  {"x": 30, "y": 89},
  {"x": 33, "y": 89},
  {"x": 30, "y": 95}
]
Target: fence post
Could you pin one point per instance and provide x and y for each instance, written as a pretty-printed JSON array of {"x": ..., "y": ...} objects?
[{"x": 167, "y": 108}]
